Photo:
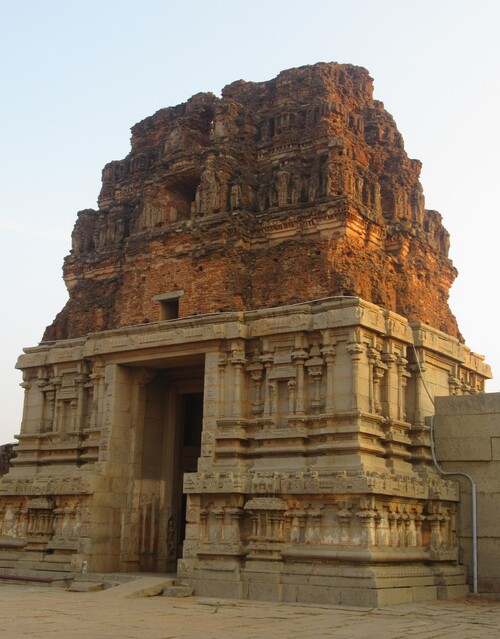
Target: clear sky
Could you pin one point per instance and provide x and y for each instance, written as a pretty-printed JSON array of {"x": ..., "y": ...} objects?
[{"x": 75, "y": 76}]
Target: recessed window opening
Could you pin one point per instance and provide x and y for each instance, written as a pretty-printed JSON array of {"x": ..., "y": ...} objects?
[{"x": 169, "y": 304}]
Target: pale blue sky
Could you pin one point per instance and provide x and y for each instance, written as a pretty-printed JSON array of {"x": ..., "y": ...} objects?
[{"x": 76, "y": 76}]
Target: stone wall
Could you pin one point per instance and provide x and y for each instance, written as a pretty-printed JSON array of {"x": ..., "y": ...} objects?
[
  {"x": 310, "y": 478},
  {"x": 468, "y": 440}
]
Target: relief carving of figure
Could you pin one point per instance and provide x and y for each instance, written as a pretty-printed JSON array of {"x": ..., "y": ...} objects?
[
  {"x": 76, "y": 242},
  {"x": 376, "y": 197},
  {"x": 359, "y": 182},
  {"x": 235, "y": 197},
  {"x": 273, "y": 194},
  {"x": 335, "y": 179},
  {"x": 262, "y": 194},
  {"x": 282, "y": 184},
  {"x": 417, "y": 205},
  {"x": 296, "y": 188},
  {"x": 313, "y": 184},
  {"x": 208, "y": 192}
]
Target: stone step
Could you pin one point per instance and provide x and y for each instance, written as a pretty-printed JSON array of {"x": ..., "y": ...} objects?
[
  {"x": 86, "y": 586},
  {"x": 44, "y": 566},
  {"x": 178, "y": 590},
  {"x": 49, "y": 578},
  {"x": 112, "y": 577}
]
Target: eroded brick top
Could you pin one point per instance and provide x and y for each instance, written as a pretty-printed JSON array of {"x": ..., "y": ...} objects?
[{"x": 278, "y": 192}]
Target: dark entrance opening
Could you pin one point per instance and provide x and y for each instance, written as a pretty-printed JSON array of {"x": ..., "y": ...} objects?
[
  {"x": 191, "y": 424},
  {"x": 167, "y": 419}
]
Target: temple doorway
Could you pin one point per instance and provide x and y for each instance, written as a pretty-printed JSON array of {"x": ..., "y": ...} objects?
[{"x": 167, "y": 444}]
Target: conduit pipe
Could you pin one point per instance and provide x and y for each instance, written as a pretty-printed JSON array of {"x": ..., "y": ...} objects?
[{"x": 454, "y": 473}]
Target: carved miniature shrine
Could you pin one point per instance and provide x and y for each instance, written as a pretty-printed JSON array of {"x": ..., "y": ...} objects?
[{"x": 232, "y": 390}]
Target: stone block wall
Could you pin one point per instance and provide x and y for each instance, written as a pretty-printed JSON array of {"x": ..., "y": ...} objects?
[
  {"x": 306, "y": 475},
  {"x": 468, "y": 440}
]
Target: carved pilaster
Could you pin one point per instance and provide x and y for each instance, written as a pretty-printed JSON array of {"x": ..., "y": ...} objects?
[
  {"x": 393, "y": 518},
  {"x": 292, "y": 389},
  {"x": 344, "y": 516},
  {"x": 267, "y": 360},
  {"x": 403, "y": 376},
  {"x": 238, "y": 361},
  {"x": 314, "y": 367},
  {"x": 314, "y": 519},
  {"x": 81, "y": 383},
  {"x": 58, "y": 406},
  {"x": 376, "y": 371},
  {"x": 49, "y": 410},
  {"x": 273, "y": 397},
  {"x": 219, "y": 524},
  {"x": 455, "y": 385},
  {"x": 203, "y": 524},
  {"x": 234, "y": 516},
  {"x": 298, "y": 526},
  {"x": 417, "y": 370},
  {"x": 419, "y": 520},
  {"x": 299, "y": 357},
  {"x": 97, "y": 381},
  {"x": 390, "y": 401},
  {"x": 367, "y": 519},
  {"x": 256, "y": 374},
  {"x": 355, "y": 350},
  {"x": 328, "y": 353},
  {"x": 435, "y": 535},
  {"x": 221, "y": 364}
]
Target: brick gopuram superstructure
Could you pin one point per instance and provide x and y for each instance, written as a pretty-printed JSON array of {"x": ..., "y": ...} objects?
[{"x": 232, "y": 389}]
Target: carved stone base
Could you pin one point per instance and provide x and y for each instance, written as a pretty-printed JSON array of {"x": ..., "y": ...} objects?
[{"x": 341, "y": 584}]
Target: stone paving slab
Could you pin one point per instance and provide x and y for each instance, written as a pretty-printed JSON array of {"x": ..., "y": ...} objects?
[
  {"x": 142, "y": 587},
  {"x": 40, "y": 613}
]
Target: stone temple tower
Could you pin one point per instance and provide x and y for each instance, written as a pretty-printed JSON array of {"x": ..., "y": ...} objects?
[{"x": 236, "y": 387}]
